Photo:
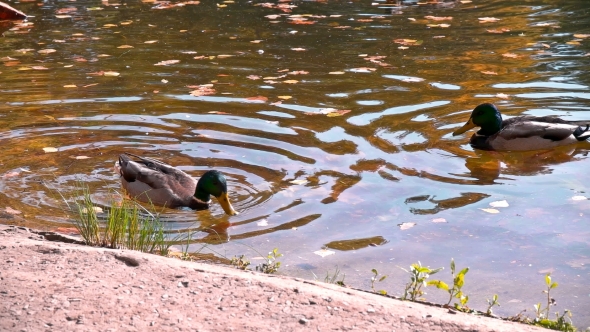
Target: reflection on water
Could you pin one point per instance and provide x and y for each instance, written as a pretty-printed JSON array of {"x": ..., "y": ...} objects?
[{"x": 332, "y": 122}]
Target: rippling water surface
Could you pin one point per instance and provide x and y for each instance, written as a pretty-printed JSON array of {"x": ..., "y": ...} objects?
[{"x": 332, "y": 121}]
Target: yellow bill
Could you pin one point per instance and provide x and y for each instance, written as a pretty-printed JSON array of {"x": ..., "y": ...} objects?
[
  {"x": 465, "y": 127},
  {"x": 226, "y": 205}
]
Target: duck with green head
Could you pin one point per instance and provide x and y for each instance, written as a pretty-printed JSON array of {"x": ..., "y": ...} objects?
[
  {"x": 152, "y": 181},
  {"x": 521, "y": 133}
]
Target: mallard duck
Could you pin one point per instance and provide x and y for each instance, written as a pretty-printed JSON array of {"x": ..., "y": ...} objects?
[
  {"x": 152, "y": 181},
  {"x": 521, "y": 133}
]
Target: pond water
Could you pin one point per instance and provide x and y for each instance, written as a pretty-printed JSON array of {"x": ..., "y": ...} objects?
[{"x": 332, "y": 121}]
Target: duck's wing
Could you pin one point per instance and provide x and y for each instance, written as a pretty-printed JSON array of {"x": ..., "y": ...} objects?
[
  {"x": 155, "y": 174},
  {"x": 553, "y": 131}
]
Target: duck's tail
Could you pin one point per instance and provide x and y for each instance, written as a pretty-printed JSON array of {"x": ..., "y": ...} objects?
[{"x": 581, "y": 133}]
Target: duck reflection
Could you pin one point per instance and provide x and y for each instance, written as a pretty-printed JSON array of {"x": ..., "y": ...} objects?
[{"x": 487, "y": 167}]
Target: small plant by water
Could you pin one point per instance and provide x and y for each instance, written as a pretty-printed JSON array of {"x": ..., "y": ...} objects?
[
  {"x": 491, "y": 303},
  {"x": 270, "y": 265},
  {"x": 455, "y": 291},
  {"x": 126, "y": 225},
  {"x": 418, "y": 279},
  {"x": 562, "y": 322},
  {"x": 376, "y": 277},
  {"x": 240, "y": 262},
  {"x": 333, "y": 278}
]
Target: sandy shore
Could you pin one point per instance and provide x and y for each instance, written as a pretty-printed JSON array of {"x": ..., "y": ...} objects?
[{"x": 56, "y": 286}]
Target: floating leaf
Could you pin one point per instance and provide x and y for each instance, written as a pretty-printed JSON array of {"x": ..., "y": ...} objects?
[
  {"x": 298, "y": 49},
  {"x": 489, "y": 72},
  {"x": 291, "y": 81},
  {"x": 285, "y": 97},
  {"x": 49, "y": 149},
  {"x": 111, "y": 73},
  {"x": 257, "y": 98},
  {"x": 150, "y": 41},
  {"x": 510, "y": 55},
  {"x": 406, "y": 225},
  {"x": 203, "y": 90},
  {"x": 166, "y": 62},
  {"x": 46, "y": 51},
  {"x": 298, "y": 182},
  {"x": 437, "y": 18},
  {"x": 70, "y": 86},
  {"x": 336, "y": 73},
  {"x": 96, "y": 209},
  {"x": 79, "y": 157},
  {"x": 488, "y": 19},
  {"x": 497, "y": 204},
  {"x": 413, "y": 79},
  {"x": 125, "y": 46},
  {"x": 223, "y": 56},
  {"x": 337, "y": 113},
  {"x": 324, "y": 252},
  {"x": 10, "y": 210},
  {"x": 580, "y": 35},
  {"x": 493, "y": 211}
]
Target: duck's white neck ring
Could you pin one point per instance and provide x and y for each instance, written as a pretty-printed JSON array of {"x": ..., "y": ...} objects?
[{"x": 203, "y": 202}]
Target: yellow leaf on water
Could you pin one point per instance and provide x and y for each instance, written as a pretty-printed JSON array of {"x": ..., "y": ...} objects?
[
  {"x": 150, "y": 41},
  {"x": 284, "y": 97},
  {"x": 70, "y": 86},
  {"x": 109, "y": 25},
  {"x": 573, "y": 42},
  {"x": 63, "y": 16},
  {"x": 50, "y": 149},
  {"x": 223, "y": 56},
  {"x": 510, "y": 55},
  {"x": 337, "y": 113},
  {"x": 125, "y": 46},
  {"x": 111, "y": 73},
  {"x": 581, "y": 35},
  {"x": 493, "y": 211},
  {"x": 489, "y": 72},
  {"x": 336, "y": 73},
  {"x": 291, "y": 81}
]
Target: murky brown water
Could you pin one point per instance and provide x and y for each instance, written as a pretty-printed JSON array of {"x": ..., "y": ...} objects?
[{"x": 390, "y": 160}]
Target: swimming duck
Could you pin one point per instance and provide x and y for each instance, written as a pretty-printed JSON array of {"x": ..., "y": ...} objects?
[
  {"x": 152, "y": 181},
  {"x": 521, "y": 133}
]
